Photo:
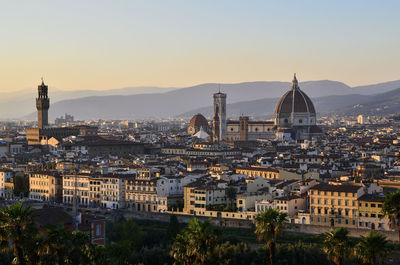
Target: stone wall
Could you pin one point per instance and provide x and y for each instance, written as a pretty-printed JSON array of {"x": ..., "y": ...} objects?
[{"x": 237, "y": 223}]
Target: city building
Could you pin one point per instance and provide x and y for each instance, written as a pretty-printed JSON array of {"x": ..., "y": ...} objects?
[
  {"x": 295, "y": 116},
  {"x": 45, "y": 186},
  {"x": 335, "y": 205}
]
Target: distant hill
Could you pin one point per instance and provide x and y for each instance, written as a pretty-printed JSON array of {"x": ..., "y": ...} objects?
[
  {"x": 379, "y": 104},
  {"x": 258, "y": 98},
  {"x": 16, "y": 104},
  {"x": 265, "y": 108}
]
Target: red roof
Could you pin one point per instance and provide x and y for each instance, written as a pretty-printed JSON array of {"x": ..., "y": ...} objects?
[{"x": 198, "y": 120}]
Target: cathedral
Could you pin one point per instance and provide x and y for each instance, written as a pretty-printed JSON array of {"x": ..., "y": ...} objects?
[
  {"x": 295, "y": 119},
  {"x": 295, "y": 116}
]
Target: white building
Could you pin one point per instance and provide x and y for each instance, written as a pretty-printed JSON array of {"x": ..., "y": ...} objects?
[
  {"x": 76, "y": 185},
  {"x": 112, "y": 190}
]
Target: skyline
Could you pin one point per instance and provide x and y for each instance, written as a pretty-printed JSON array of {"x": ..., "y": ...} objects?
[{"x": 98, "y": 45}]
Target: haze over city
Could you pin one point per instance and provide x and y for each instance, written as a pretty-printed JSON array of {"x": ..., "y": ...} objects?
[{"x": 98, "y": 45}]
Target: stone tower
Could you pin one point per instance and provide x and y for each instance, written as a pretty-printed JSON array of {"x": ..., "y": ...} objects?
[
  {"x": 220, "y": 113},
  {"x": 244, "y": 127},
  {"x": 42, "y": 106}
]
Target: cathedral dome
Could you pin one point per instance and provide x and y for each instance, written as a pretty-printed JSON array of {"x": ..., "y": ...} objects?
[
  {"x": 196, "y": 123},
  {"x": 294, "y": 101},
  {"x": 199, "y": 121}
]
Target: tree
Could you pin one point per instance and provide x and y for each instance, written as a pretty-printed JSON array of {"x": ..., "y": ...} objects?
[
  {"x": 66, "y": 247},
  {"x": 371, "y": 246},
  {"x": 269, "y": 224},
  {"x": 231, "y": 194},
  {"x": 21, "y": 184},
  {"x": 391, "y": 209},
  {"x": 195, "y": 244},
  {"x": 172, "y": 229},
  {"x": 58, "y": 243},
  {"x": 17, "y": 225},
  {"x": 337, "y": 245}
]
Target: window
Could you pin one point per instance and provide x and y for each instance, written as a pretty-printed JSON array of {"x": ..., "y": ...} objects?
[
  {"x": 98, "y": 230},
  {"x": 373, "y": 205},
  {"x": 300, "y": 121}
]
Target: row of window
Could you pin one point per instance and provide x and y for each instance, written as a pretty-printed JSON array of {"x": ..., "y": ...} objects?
[
  {"x": 333, "y": 193},
  {"x": 332, "y": 202}
]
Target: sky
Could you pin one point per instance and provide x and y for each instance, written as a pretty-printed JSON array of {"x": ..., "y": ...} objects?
[{"x": 96, "y": 44}]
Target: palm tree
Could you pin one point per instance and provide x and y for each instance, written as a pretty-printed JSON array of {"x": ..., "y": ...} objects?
[
  {"x": 195, "y": 244},
  {"x": 371, "y": 246},
  {"x": 58, "y": 243},
  {"x": 17, "y": 227},
  {"x": 337, "y": 245},
  {"x": 391, "y": 209},
  {"x": 269, "y": 224}
]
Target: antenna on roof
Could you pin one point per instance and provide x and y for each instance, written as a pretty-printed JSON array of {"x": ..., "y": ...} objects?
[{"x": 219, "y": 88}]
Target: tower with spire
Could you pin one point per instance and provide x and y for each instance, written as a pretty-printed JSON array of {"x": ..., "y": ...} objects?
[{"x": 42, "y": 106}]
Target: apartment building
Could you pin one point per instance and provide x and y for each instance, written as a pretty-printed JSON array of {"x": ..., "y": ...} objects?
[
  {"x": 112, "y": 188},
  {"x": 45, "y": 186},
  {"x": 95, "y": 191},
  {"x": 141, "y": 191},
  {"x": 6, "y": 176},
  {"x": 335, "y": 204},
  {"x": 370, "y": 212},
  {"x": 203, "y": 193},
  {"x": 77, "y": 186}
]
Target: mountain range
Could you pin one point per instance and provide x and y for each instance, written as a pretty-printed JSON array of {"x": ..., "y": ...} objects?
[{"x": 250, "y": 98}]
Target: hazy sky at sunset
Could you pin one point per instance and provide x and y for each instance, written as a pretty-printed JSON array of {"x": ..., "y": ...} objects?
[{"x": 94, "y": 44}]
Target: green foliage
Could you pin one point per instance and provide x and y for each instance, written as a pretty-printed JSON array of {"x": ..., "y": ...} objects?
[
  {"x": 127, "y": 231},
  {"x": 17, "y": 226},
  {"x": 337, "y": 245},
  {"x": 372, "y": 246},
  {"x": 21, "y": 184},
  {"x": 222, "y": 208},
  {"x": 391, "y": 209},
  {"x": 172, "y": 229},
  {"x": 195, "y": 244},
  {"x": 269, "y": 224},
  {"x": 301, "y": 254},
  {"x": 231, "y": 194},
  {"x": 156, "y": 243}
]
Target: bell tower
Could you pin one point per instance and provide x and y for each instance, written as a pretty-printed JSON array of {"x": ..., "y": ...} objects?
[
  {"x": 219, "y": 129},
  {"x": 42, "y": 106}
]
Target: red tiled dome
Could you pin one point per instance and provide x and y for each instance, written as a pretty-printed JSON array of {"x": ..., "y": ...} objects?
[
  {"x": 198, "y": 120},
  {"x": 294, "y": 100}
]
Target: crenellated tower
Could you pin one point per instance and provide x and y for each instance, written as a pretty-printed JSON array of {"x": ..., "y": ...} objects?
[{"x": 42, "y": 106}]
